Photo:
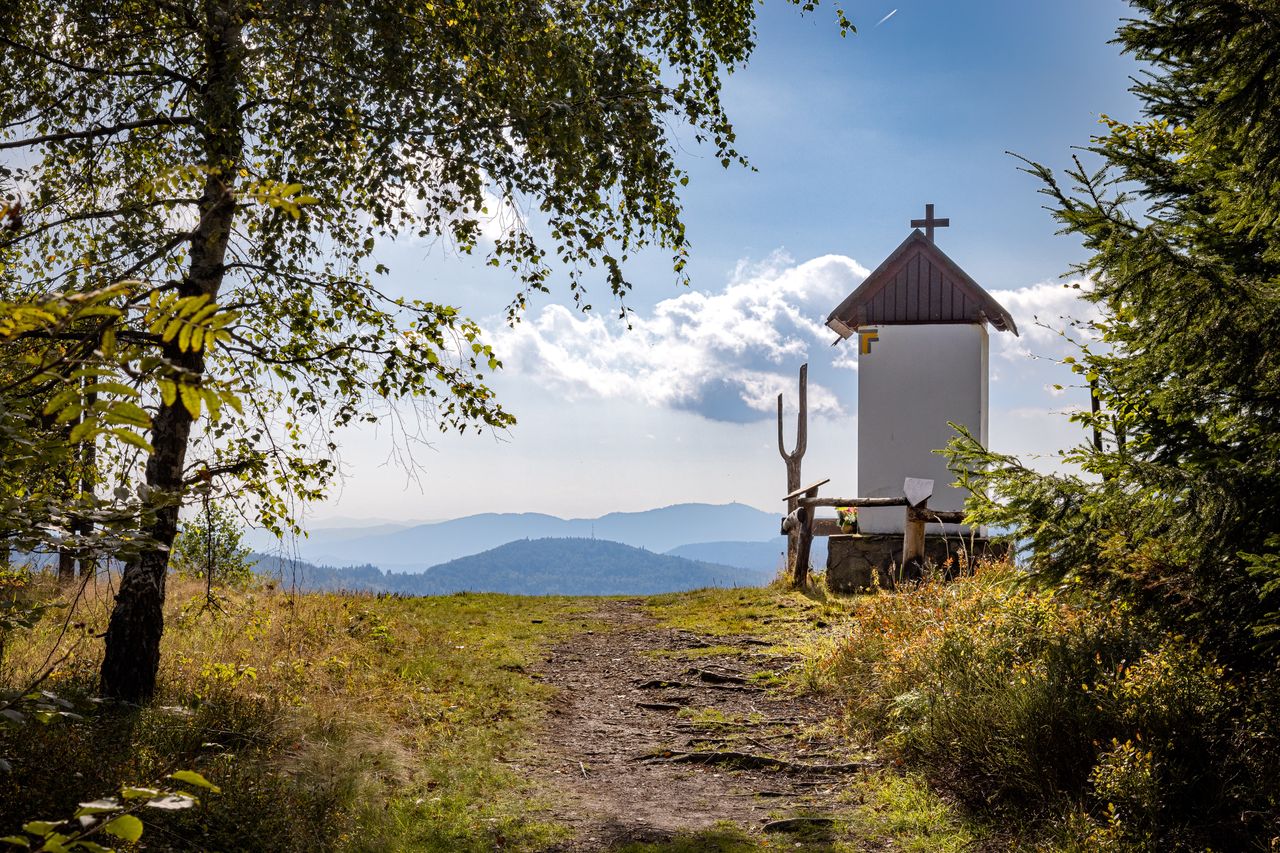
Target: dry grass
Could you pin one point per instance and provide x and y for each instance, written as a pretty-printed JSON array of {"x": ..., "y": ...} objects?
[{"x": 330, "y": 721}]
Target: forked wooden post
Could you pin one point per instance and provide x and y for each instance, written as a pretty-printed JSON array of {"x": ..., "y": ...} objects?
[{"x": 793, "y": 459}]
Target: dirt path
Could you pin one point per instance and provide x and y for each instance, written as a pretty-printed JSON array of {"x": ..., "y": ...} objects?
[{"x": 656, "y": 732}]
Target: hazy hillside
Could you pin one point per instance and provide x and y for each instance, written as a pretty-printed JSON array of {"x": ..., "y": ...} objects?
[
  {"x": 417, "y": 547},
  {"x": 764, "y": 556},
  {"x": 566, "y": 566}
]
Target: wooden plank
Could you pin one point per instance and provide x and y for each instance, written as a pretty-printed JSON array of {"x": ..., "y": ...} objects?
[
  {"x": 798, "y": 492},
  {"x": 935, "y": 293},
  {"x": 912, "y": 308},
  {"x": 855, "y": 502},
  {"x": 936, "y": 516}
]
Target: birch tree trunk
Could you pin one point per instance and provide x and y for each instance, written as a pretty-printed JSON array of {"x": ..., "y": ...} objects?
[{"x": 132, "y": 656}]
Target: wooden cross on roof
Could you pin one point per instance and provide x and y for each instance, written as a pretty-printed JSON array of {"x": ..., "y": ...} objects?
[{"x": 929, "y": 223}]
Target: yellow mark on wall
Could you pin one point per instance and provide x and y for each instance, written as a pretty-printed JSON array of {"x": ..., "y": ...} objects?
[{"x": 865, "y": 338}]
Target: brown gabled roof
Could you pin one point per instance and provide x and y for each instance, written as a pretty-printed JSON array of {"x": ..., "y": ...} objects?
[{"x": 918, "y": 284}]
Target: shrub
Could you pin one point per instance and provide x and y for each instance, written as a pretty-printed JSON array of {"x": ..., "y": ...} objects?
[{"x": 1032, "y": 701}]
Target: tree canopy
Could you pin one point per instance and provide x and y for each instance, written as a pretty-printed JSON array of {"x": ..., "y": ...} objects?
[{"x": 221, "y": 171}]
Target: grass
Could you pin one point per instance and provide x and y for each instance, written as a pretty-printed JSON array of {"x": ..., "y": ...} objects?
[
  {"x": 330, "y": 721},
  {"x": 774, "y": 614},
  {"x": 1062, "y": 719},
  {"x": 693, "y": 654},
  {"x": 900, "y": 811},
  {"x": 352, "y": 723}
]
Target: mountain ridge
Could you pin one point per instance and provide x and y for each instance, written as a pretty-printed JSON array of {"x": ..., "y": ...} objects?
[
  {"x": 423, "y": 545},
  {"x": 547, "y": 566}
]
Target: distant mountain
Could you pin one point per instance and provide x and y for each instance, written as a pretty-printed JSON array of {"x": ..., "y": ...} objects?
[
  {"x": 764, "y": 556},
  {"x": 567, "y": 566},
  {"x": 745, "y": 555},
  {"x": 320, "y": 537},
  {"x": 417, "y": 547}
]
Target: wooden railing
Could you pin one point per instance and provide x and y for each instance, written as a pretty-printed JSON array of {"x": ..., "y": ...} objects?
[{"x": 801, "y": 524}]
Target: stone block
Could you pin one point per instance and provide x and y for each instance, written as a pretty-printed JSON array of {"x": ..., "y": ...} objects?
[{"x": 853, "y": 560}]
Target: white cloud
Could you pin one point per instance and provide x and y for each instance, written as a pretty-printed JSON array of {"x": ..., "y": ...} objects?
[
  {"x": 724, "y": 354},
  {"x": 1043, "y": 313}
]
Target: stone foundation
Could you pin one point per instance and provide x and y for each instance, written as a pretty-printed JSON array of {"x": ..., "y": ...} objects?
[{"x": 853, "y": 560}]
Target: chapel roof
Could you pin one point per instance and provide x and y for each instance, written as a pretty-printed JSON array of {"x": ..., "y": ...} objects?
[{"x": 918, "y": 284}]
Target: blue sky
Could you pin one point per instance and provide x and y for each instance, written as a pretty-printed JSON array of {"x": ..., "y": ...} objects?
[{"x": 851, "y": 137}]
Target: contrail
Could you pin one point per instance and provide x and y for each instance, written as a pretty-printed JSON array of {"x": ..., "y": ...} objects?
[{"x": 885, "y": 18}]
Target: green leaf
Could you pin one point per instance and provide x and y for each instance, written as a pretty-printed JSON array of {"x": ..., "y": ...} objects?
[
  {"x": 126, "y": 827},
  {"x": 111, "y": 387},
  {"x": 16, "y": 840},
  {"x": 92, "y": 846},
  {"x": 128, "y": 436},
  {"x": 55, "y": 842},
  {"x": 39, "y": 827},
  {"x": 130, "y": 413},
  {"x": 82, "y": 430},
  {"x": 171, "y": 329},
  {"x": 168, "y": 391},
  {"x": 191, "y": 777},
  {"x": 190, "y": 400},
  {"x": 138, "y": 793}
]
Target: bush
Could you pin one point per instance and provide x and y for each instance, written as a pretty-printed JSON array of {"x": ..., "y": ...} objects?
[{"x": 1034, "y": 701}]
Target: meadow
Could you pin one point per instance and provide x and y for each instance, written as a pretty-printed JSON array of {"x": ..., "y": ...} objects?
[{"x": 998, "y": 716}]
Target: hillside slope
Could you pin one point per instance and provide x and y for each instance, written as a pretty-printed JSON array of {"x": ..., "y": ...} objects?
[
  {"x": 549, "y": 566},
  {"x": 417, "y": 547}
]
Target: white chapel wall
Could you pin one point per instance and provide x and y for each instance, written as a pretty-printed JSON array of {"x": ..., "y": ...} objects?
[{"x": 913, "y": 380}]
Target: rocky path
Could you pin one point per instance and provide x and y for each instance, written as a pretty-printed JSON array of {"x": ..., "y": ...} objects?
[{"x": 656, "y": 733}]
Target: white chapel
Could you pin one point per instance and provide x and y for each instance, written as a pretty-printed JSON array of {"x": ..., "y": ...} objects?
[{"x": 921, "y": 327}]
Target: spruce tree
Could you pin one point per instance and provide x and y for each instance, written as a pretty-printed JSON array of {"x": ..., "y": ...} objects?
[{"x": 1180, "y": 212}]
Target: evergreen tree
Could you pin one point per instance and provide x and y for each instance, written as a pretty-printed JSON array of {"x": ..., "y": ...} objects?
[{"x": 1181, "y": 216}]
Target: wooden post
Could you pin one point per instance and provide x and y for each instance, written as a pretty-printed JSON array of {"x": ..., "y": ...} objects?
[
  {"x": 793, "y": 461},
  {"x": 918, "y": 492},
  {"x": 800, "y": 525},
  {"x": 913, "y": 541},
  {"x": 804, "y": 542}
]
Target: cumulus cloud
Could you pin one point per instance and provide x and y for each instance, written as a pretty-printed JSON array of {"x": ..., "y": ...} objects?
[
  {"x": 1043, "y": 312},
  {"x": 724, "y": 354}
]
